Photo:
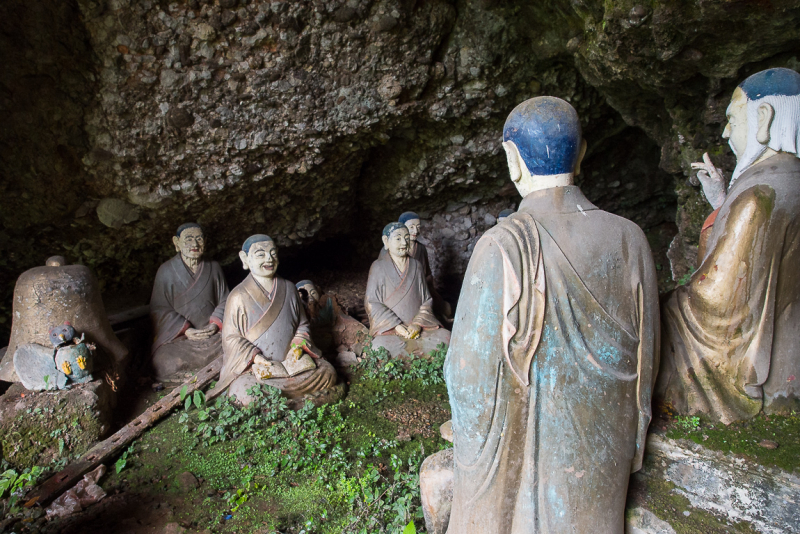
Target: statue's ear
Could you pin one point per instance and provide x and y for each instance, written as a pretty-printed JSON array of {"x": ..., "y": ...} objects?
[
  {"x": 580, "y": 158},
  {"x": 513, "y": 158},
  {"x": 243, "y": 257},
  {"x": 385, "y": 242},
  {"x": 765, "y": 115},
  {"x": 176, "y": 242}
]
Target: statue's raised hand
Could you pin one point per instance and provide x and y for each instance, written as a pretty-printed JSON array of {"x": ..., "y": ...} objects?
[{"x": 712, "y": 181}]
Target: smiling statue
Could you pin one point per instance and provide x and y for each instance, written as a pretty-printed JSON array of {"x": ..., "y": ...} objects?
[
  {"x": 398, "y": 302},
  {"x": 730, "y": 345},
  {"x": 266, "y": 333}
]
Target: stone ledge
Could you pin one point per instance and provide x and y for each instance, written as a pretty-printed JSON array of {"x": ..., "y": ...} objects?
[{"x": 725, "y": 485}]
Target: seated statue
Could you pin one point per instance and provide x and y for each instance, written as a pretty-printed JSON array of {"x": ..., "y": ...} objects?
[
  {"x": 265, "y": 333},
  {"x": 398, "y": 302},
  {"x": 419, "y": 252},
  {"x": 729, "y": 337},
  {"x": 331, "y": 327},
  {"x": 186, "y": 307},
  {"x": 57, "y": 300}
]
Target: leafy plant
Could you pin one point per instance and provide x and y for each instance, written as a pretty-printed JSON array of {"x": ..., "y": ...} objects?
[
  {"x": 122, "y": 461},
  {"x": 379, "y": 364},
  {"x": 13, "y": 484},
  {"x": 687, "y": 422}
]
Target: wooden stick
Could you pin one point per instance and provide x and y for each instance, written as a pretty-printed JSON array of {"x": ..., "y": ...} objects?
[{"x": 105, "y": 450}]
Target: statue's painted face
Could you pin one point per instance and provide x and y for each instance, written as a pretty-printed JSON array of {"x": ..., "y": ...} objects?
[
  {"x": 313, "y": 294},
  {"x": 191, "y": 243},
  {"x": 736, "y": 129},
  {"x": 398, "y": 242},
  {"x": 413, "y": 226},
  {"x": 262, "y": 259}
]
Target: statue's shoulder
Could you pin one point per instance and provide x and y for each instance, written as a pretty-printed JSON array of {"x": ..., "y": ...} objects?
[{"x": 165, "y": 268}]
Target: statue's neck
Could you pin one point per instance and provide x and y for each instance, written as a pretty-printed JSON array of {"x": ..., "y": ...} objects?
[
  {"x": 191, "y": 263},
  {"x": 266, "y": 282},
  {"x": 399, "y": 261},
  {"x": 530, "y": 183}
]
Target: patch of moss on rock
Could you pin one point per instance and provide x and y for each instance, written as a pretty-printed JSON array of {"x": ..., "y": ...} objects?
[
  {"x": 41, "y": 428},
  {"x": 747, "y": 438}
]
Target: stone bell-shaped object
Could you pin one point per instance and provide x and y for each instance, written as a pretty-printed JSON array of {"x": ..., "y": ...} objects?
[{"x": 55, "y": 294}]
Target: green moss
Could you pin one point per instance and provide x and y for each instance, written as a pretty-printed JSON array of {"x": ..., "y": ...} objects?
[
  {"x": 743, "y": 438},
  {"x": 661, "y": 497}
]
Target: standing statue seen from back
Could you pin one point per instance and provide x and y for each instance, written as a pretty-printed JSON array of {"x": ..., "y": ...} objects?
[
  {"x": 550, "y": 368},
  {"x": 187, "y": 306},
  {"x": 730, "y": 343}
]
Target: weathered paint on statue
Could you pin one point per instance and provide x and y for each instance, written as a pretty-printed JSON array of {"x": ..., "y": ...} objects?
[
  {"x": 265, "y": 328},
  {"x": 187, "y": 306},
  {"x": 398, "y": 301},
  {"x": 730, "y": 343},
  {"x": 550, "y": 370}
]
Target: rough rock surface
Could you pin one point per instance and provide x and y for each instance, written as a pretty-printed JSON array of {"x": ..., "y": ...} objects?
[
  {"x": 313, "y": 119},
  {"x": 38, "y": 428}
]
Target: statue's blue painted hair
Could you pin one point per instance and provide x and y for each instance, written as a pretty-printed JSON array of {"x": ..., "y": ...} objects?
[
  {"x": 391, "y": 227},
  {"x": 771, "y": 82},
  {"x": 186, "y": 226},
  {"x": 505, "y": 213},
  {"x": 547, "y": 133},
  {"x": 407, "y": 216},
  {"x": 302, "y": 283},
  {"x": 252, "y": 240}
]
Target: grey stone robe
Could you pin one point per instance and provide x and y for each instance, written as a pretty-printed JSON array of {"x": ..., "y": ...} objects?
[
  {"x": 182, "y": 299},
  {"x": 395, "y": 298},
  {"x": 255, "y": 319},
  {"x": 550, "y": 370}
]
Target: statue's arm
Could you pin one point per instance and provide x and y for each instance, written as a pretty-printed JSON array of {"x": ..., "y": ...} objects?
[
  {"x": 648, "y": 350},
  {"x": 234, "y": 327},
  {"x": 720, "y": 288},
  {"x": 221, "y": 287},
  {"x": 373, "y": 298},
  {"x": 161, "y": 308}
]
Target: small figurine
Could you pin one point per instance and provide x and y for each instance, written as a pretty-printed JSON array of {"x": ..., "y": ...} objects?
[
  {"x": 331, "y": 328},
  {"x": 398, "y": 301},
  {"x": 187, "y": 306},
  {"x": 68, "y": 361},
  {"x": 551, "y": 365},
  {"x": 265, "y": 324},
  {"x": 67, "y": 296},
  {"x": 730, "y": 345}
]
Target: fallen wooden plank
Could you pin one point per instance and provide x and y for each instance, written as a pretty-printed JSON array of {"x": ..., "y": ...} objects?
[
  {"x": 129, "y": 314},
  {"x": 107, "y": 449}
]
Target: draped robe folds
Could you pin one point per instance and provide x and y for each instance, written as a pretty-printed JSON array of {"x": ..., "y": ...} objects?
[
  {"x": 730, "y": 343},
  {"x": 255, "y": 319},
  {"x": 181, "y": 300},
  {"x": 550, "y": 370},
  {"x": 395, "y": 298}
]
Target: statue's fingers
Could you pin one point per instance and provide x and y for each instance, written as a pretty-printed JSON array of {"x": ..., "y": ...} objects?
[{"x": 707, "y": 160}]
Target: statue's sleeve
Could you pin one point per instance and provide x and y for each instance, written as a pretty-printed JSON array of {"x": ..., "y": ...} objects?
[
  {"x": 721, "y": 288},
  {"x": 425, "y": 317},
  {"x": 646, "y": 298},
  {"x": 237, "y": 350},
  {"x": 221, "y": 289},
  {"x": 475, "y": 358},
  {"x": 304, "y": 326},
  {"x": 168, "y": 324},
  {"x": 381, "y": 317}
]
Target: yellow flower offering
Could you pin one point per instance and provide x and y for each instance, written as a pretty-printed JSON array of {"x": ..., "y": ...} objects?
[
  {"x": 67, "y": 368},
  {"x": 81, "y": 362}
]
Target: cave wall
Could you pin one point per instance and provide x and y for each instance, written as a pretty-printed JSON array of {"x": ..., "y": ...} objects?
[{"x": 314, "y": 119}]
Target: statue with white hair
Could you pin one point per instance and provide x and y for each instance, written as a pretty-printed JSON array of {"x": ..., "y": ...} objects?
[{"x": 730, "y": 346}]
